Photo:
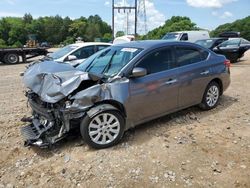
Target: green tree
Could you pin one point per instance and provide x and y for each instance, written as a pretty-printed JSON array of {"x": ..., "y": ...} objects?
[
  {"x": 107, "y": 36},
  {"x": 27, "y": 18},
  {"x": 78, "y": 28},
  {"x": 119, "y": 33},
  {"x": 176, "y": 23},
  {"x": 242, "y": 26},
  {"x": 5, "y": 28},
  {"x": 54, "y": 29},
  {"x": 2, "y": 43}
]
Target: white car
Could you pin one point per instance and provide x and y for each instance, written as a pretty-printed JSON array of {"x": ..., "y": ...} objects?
[{"x": 76, "y": 53}]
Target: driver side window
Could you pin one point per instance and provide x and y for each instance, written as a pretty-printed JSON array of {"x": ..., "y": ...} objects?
[
  {"x": 84, "y": 52},
  {"x": 158, "y": 61}
]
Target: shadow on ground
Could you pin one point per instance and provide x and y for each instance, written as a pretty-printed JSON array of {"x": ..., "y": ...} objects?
[{"x": 74, "y": 139}]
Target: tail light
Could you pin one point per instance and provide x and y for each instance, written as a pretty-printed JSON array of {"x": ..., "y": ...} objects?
[{"x": 227, "y": 63}]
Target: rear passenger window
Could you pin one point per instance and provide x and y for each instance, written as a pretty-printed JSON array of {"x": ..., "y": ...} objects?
[
  {"x": 158, "y": 61},
  {"x": 187, "y": 55}
]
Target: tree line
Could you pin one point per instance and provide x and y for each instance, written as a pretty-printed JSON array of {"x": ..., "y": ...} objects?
[
  {"x": 241, "y": 25},
  {"x": 179, "y": 23},
  {"x": 57, "y": 30},
  {"x": 14, "y": 31}
]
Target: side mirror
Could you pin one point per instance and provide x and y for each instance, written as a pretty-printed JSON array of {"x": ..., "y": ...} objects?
[
  {"x": 71, "y": 58},
  {"x": 138, "y": 72}
]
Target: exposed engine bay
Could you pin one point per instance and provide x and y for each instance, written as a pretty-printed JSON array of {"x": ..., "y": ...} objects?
[{"x": 58, "y": 99}]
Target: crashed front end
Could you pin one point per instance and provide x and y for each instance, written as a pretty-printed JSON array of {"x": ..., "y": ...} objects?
[
  {"x": 49, "y": 122},
  {"x": 52, "y": 96}
]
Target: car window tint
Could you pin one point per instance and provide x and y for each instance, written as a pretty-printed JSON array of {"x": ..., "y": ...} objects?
[
  {"x": 205, "y": 43},
  {"x": 188, "y": 55},
  {"x": 101, "y": 47},
  {"x": 218, "y": 42},
  {"x": 230, "y": 43},
  {"x": 158, "y": 61},
  {"x": 84, "y": 52},
  {"x": 184, "y": 37},
  {"x": 204, "y": 55}
]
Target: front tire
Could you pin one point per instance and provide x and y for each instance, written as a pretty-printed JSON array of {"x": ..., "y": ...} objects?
[
  {"x": 211, "y": 96},
  {"x": 103, "y": 130}
]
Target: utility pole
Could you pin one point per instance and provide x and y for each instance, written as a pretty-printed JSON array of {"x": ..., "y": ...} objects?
[
  {"x": 123, "y": 8},
  {"x": 142, "y": 16}
]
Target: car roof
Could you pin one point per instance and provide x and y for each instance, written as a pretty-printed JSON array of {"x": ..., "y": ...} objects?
[
  {"x": 194, "y": 31},
  {"x": 236, "y": 38},
  {"x": 148, "y": 44},
  {"x": 215, "y": 38},
  {"x": 82, "y": 44}
]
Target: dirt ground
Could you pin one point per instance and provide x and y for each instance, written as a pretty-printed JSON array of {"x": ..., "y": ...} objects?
[{"x": 191, "y": 148}]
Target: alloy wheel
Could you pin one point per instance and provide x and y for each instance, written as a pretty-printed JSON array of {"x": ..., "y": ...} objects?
[
  {"x": 212, "y": 96},
  {"x": 104, "y": 128}
]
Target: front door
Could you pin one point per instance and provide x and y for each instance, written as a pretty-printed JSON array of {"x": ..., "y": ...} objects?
[{"x": 157, "y": 92}]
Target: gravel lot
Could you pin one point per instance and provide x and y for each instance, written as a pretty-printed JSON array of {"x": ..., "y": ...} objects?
[{"x": 191, "y": 148}]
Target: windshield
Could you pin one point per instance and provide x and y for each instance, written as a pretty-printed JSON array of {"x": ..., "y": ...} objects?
[
  {"x": 205, "y": 43},
  {"x": 171, "y": 36},
  {"x": 62, "y": 52},
  {"x": 109, "y": 61}
]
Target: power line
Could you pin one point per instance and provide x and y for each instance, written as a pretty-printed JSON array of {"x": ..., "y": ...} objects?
[
  {"x": 124, "y": 9},
  {"x": 138, "y": 9},
  {"x": 142, "y": 17}
]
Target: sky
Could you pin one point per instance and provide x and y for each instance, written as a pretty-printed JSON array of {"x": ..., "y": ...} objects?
[{"x": 207, "y": 14}]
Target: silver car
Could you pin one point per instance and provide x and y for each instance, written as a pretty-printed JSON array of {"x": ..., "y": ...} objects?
[{"x": 120, "y": 87}]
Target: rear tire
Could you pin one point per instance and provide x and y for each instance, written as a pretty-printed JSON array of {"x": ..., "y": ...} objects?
[
  {"x": 211, "y": 96},
  {"x": 103, "y": 130},
  {"x": 11, "y": 58}
]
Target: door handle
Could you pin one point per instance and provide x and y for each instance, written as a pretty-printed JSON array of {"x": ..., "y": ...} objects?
[
  {"x": 171, "y": 81},
  {"x": 205, "y": 72}
]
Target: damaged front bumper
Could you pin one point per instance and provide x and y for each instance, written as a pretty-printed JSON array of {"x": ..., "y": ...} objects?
[
  {"x": 49, "y": 124},
  {"x": 34, "y": 133}
]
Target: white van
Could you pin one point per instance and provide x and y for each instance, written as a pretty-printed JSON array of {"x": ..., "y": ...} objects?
[{"x": 190, "y": 36}]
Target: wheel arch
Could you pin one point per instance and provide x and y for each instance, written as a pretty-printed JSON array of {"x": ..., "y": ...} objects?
[{"x": 107, "y": 105}]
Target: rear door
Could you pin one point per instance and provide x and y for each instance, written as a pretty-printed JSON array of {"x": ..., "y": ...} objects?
[
  {"x": 194, "y": 74},
  {"x": 157, "y": 92}
]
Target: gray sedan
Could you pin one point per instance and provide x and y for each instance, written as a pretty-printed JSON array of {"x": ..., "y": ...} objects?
[{"x": 120, "y": 87}]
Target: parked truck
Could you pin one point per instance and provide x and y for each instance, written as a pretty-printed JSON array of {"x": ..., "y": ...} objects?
[{"x": 12, "y": 55}]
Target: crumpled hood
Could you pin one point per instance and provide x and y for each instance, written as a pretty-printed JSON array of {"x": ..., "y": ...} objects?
[{"x": 54, "y": 81}]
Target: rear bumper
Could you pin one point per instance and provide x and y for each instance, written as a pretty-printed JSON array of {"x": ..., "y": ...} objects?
[{"x": 226, "y": 80}]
